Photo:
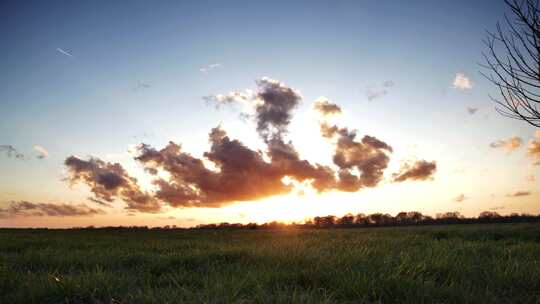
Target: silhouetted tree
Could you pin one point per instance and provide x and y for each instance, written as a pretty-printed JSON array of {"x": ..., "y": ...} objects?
[
  {"x": 346, "y": 220},
  {"x": 513, "y": 62}
]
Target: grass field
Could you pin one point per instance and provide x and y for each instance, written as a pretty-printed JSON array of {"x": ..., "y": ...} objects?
[{"x": 497, "y": 263}]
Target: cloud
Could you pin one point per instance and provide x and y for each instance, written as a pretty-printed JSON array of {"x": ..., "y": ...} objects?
[
  {"x": 495, "y": 208},
  {"x": 368, "y": 155},
  {"x": 325, "y": 107},
  {"x": 230, "y": 98},
  {"x": 11, "y": 152},
  {"x": 460, "y": 198},
  {"x": 108, "y": 181},
  {"x": 509, "y": 144},
  {"x": 64, "y": 52},
  {"x": 472, "y": 110},
  {"x": 462, "y": 82},
  {"x": 25, "y": 208},
  {"x": 519, "y": 193},
  {"x": 42, "y": 152},
  {"x": 210, "y": 67},
  {"x": 230, "y": 171},
  {"x": 530, "y": 178},
  {"x": 533, "y": 148},
  {"x": 378, "y": 90},
  {"x": 141, "y": 85},
  {"x": 242, "y": 174},
  {"x": 99, "y": 202},
  {"x": 419, "y": 170}
]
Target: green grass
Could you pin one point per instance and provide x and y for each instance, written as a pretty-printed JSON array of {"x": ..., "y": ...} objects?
[{"x": 497, "y": 263}]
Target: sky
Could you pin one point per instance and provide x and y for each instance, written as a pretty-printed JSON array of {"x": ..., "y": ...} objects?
[{"x": 233, "y": 85}]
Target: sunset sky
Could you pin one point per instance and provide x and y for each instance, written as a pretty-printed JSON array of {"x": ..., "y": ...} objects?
[{"x": 84, "y": 83}]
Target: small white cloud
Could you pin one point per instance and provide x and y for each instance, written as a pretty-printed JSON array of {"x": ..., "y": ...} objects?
[
  {"x": 210, "y": 67},
  {"x": 462, "y": 82},
  {"x": 42, "y": 152}
]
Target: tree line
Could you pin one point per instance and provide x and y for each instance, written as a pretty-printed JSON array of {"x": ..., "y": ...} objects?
[{"x": 383, "y": 220}]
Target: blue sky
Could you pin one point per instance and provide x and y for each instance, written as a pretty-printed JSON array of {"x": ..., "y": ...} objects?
[{"x": 93, "y": 103}]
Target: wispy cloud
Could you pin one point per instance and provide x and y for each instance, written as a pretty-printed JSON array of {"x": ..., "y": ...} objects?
[
  {"x": 460, "y": 198},
  {"x": 462, "y": 82},
  {"x": 210, "y": 67},
  {"x": 11, "y": 151},
  {"x": 509, "y": 144},
  {"x": 141, "y": 85},
  {"x": 42, "y": 152},
  {"x": 533, "y": 148},
  {"x": 64, "y": 52},
  {"x": 519, "y": 193},
  {"x": 472, "y": 110},
  {"x": 25, "y": 208},
  {"x": 378, "y": 90}
]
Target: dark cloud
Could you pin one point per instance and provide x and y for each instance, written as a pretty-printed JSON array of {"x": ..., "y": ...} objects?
[
  {"x": 325, "y": 107},
  {"x": 242, "y": 173},
  {"x": 420, "y": 170},
  {"x": 25, "y": 208},
  {"x": 230, "y": 171},
  {"x": 108, "y": 181},
  {"x": 11, "y": 151},
  {"x": 273, "y": 112},
  {"x": 369, "y": 156},
  {"x": 471, "y": 110},
  {"x": 99, "y": 202},
  {"x": 519, "y": 193}
]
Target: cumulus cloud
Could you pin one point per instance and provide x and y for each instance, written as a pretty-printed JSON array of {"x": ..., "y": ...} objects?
[
  {"x": 230, "y": 171},
  {"x": 325, "y": 107},
  {"x": 519, "y": 193},
  {"x": 460, "y": 198},
  {"x": 11, "y": 151},
  {"x": 509, "y": 144},
  {"x": 462, "y": 82},
  {"x": 242, "y": 173},
  {"x": 25, "y": 208},
  {"x": 419, "y": 170},
  {"x": 378, "y": 90},
  {"x": 42, "y": 152},
  {"x": 108, "y": 181},
  {"x": 368, "y": 155},
  {"x": 472, "y": 110}
]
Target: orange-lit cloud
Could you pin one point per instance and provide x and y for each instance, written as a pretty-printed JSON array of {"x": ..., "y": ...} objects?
[
  {"x": 239, "y": 173},
  {"x": 419, "y": 170},
  {"x": 462, "y": 82},
  {"x": 509, "y": 144},
  {"x": 519, "y": 193}
]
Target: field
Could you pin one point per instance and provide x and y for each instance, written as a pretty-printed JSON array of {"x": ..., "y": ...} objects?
[{"x": 498, "y": 263}]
